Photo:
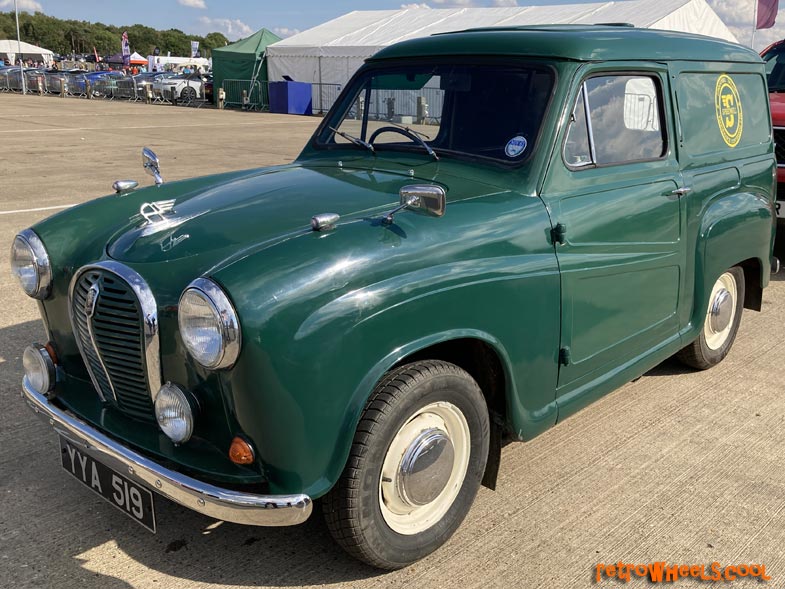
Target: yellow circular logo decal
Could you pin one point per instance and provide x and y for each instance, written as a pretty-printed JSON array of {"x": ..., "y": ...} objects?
[{"x": 729, "y": 114}]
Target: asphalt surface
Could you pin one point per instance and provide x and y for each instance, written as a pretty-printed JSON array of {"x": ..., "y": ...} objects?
[{"x": 679, "y": 466}]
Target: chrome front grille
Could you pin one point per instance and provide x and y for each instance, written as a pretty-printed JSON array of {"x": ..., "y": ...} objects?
[{"x": 114, "y": 336}]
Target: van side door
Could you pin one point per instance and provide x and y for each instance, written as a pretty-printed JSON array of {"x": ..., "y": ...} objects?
[{"x": 614, "y": 188}]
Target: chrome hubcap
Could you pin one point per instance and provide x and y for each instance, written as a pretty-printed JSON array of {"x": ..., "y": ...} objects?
[
  {"x": 721, "y": 311},
  {"x": 426, "y": 467}
]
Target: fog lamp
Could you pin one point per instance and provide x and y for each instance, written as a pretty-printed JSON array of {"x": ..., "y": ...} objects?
[
  {"x": 39, "y": 369},
  {"x": 175, "y": 411}
]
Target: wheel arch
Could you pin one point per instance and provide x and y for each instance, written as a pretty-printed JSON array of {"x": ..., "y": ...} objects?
[
  {"x": 753, "y": 283},
  {"x": 481, "y": 355},
  {"x": 483, "y": 363},
  {"x": 735, "y": 230}
]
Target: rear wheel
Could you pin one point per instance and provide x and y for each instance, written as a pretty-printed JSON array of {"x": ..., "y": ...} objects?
[
  {"x": 415, "y": 466},
  {"x": 721, "y": 323}
]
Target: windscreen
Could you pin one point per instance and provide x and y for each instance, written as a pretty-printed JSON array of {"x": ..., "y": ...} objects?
[{"x": 484, "y": 110}]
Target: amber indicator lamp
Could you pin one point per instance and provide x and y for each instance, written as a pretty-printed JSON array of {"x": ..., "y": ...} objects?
[{"x": 240, "y": 452}]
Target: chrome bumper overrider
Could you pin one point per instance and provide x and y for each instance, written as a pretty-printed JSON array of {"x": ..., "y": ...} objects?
[{"x": 223, "y": 504}]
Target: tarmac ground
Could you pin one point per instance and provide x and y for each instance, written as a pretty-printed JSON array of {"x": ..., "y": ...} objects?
[{"x": 680, "y": 466}]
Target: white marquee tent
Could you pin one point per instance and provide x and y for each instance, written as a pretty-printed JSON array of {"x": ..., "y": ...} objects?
[
  {"x": 9, "y": 51},
  {"x": 330, "y": 53}
]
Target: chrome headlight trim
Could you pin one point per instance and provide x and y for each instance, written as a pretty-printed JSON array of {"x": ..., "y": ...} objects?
[
  {"x": 41, "y": 264},
  {"x": 225, "y": 317}
]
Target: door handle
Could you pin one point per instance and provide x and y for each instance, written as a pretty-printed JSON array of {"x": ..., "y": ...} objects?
[{"x": 681, "y": 191}]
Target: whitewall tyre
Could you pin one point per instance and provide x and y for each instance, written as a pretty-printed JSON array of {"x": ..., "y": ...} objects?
[
  {"x": 720, "y": 324},
  {"x": 415, "y": 466}
]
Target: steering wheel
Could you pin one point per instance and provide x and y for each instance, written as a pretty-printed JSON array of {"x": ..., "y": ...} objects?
[{"x": 405, "y": 132}]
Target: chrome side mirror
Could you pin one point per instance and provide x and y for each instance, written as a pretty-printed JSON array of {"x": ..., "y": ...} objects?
[
  {"x": 151, "y": 165},
  {"x": 427, "y": 199}
]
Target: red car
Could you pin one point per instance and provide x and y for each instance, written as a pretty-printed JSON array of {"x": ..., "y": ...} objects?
[{"x": 774, "y": 56}]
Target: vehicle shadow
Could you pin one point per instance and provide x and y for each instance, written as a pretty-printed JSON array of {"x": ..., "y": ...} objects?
[
  {"x": 669, "y": 367},
  {"x": 58, "y": 533}
]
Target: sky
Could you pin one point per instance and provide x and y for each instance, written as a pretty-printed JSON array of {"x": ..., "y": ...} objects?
[{"x": 240, "y": 18}]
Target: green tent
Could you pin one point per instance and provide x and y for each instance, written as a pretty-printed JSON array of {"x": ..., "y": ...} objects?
[{"x": 242, "y": 61}]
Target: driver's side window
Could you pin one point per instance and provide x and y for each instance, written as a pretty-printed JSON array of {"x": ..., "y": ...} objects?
[{"x": 616, "y": 119}]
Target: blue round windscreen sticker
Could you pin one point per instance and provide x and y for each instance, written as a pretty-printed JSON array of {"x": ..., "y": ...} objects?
[{"x": 515, "y": 146}]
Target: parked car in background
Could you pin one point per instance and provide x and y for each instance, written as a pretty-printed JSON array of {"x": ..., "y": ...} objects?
[
  {"x": 147, "y": 81},
  {"x": 104, "y": 83},
  {"x": 774, "y": 56},
  {"x": 14, "y": 78},
  {"x": 208, "y": 87},
  {"x": 186, "y": 87},
  {"x": 489, "y": 230},
  {"x": 54, "y": 81}
]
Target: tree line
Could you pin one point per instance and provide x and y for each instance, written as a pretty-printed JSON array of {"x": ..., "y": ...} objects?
[{"x": 76, "y": 36}]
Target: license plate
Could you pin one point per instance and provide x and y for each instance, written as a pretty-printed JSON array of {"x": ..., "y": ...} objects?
[
  {"x": 128, "y": 496},
  {"x": 780, "y": 209}
]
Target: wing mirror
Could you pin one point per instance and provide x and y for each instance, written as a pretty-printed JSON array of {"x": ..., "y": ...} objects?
[
  {"x": 426, "y": 199},
  {"x": 151, "y": 165}
]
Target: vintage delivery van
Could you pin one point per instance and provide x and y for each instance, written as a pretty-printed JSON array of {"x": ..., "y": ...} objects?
[{"x": 488, "y": 231}]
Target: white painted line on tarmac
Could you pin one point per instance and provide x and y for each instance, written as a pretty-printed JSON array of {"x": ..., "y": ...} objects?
[{"x": 37, "y": 209}]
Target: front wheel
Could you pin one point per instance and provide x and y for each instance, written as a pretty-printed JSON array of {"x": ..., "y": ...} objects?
[
  {"x": 721, "y": 323},
  {"x": 188, "y": 94},
  {"x": 415, "y": 466}
]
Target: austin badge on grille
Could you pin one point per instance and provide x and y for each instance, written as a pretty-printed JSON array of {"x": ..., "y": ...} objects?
[{"x": 91, "y": 299}]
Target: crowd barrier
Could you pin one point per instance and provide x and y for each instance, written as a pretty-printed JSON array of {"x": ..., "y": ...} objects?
[
  {"x": 324, "y": 96},
  {"x": 244, "y": 94}
]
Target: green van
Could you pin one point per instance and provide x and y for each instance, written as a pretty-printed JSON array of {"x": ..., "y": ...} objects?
[{"x": 488, "y": 231}]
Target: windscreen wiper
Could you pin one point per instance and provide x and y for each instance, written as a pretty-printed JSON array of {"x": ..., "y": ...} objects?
[
  {"x": 355, "y": 140},
  {"x": 405, "y": 128}
]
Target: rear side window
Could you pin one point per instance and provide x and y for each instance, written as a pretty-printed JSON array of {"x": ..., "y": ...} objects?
[{"x": 616, "y": 119}]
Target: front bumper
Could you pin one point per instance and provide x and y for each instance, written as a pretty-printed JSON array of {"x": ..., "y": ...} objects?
[{"x": 222, "y": 504}]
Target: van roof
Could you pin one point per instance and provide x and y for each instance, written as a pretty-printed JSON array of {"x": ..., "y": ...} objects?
[{"x": 613, "y": 42}]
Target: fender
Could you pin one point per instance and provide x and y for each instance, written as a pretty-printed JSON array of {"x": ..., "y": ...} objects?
[
  {"x": 734, "y": 228},
  {"x": 313, "y": 353}
]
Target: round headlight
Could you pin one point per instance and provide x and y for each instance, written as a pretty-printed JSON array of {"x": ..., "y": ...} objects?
[
  {"x": 39, "y": 368},
  {"x": 209, "y": 325},
  {"x": 30, "y": 264},
  {"x": 174, "y": 412}
]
